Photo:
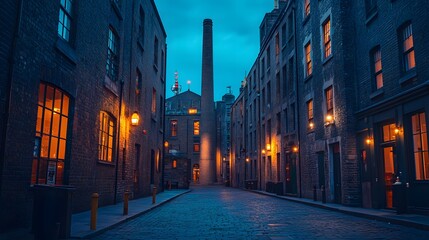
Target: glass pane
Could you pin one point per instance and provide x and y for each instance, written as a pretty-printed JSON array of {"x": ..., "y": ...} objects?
[
  {"x": 410, "y": 60},
  {"x": 109, "y": 155},
  {"x": 417, "y": 143},
  {"x": 60, "y": 172},
  {"x": 388, "y": 160},
  {"x": 49, "y": 97},
  {"x": 426, "y": 165},
  {"x": 392, "y": 128},
  {"x": 424, "y": 142},
  {"x": 47, "y": 122},
  {"x": 423, "y": 121},
  {"x": 53, "y": 148},
  {"x": 45, "y": 146},
  {"x": 386, "y": 133},
  {"x": 66, "y": 34},
  {"x": 418, "y": 164},
  {"x": 42, "y": 171},
  {"x": 64, "y": 122},
  {"x": 57, "y": 102},
  {"x": 68, "y": 6},
  {"x": 62, "y": 149},
  {"x": 415, "y": 123},
  {"x": 379, "y": 81},
  {"x": 61, "y": 17},
  {"x": 63, "y": 3},
  {"x": 56, "y": 125},
  {"x": 60, "y": 29},
  {"x": 65, "y": 109},
  {"x": 39, "y": 120},
  {"x": 41, "y": 94}
]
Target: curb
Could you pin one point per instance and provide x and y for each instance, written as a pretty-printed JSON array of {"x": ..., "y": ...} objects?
[
  {"x": 405, "y": 223},
  {"x": 102, "y": 230}
]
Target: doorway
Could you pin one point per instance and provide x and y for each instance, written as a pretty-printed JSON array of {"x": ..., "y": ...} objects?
[
  {"x": 336, "y": 159},
  {"x": 196, "y": 173},
  {"x": 389, "y": 174}
]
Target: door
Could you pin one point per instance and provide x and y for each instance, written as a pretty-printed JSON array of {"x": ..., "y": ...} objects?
[
  {"x": 389, "y": 174},
  {"x": 337, "y": 172},
  {"x": 290, "y": 173}
]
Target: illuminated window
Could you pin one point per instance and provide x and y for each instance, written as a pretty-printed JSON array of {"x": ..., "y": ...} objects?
[
  {"x": 174, "y": 163},
  {"x": 196, "y": 127},
  {"x": 310, "y": 114},
  {"x": 51, "y": 136},
  {"x": 420, "y": 143},
  {"x": 65, "y": 19},
  {"x": 389, "y": 132},
  {"x": 306, "y": 7},
  {"x": 329, "y": 97},
  {"x": 106, "y": 140},
  {"x": 196, "y": 147},
  {"x": 112, "y": 64},
  {"x": 309, "y": 65},
  {"x": 192, "y": 111},
  {"x": 327, "y": 38},
  {"x": 153, "y": 101},
  {"x": 408, "y": 48},
  {"x": 173, "y": 128}
]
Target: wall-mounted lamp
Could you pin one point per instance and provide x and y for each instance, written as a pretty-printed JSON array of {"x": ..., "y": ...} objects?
[
  {"x": 135, "y": 119},
  {"x": 329, "y": 119},
  {"x": 397, "y": 130},
  {"x": 247, "y": 159},
  {"x": 369, "y": 140},
  {"x": 268, "y": 147},
  {"x": 263, "y": 152},
  {"x": 295, "y": 149},
  {"x": 166, "y": 144}
]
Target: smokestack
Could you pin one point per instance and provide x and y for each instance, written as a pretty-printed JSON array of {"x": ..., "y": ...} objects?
[
  {"x": 276, "y": 4},
  {"x": 208, "y": 117}
]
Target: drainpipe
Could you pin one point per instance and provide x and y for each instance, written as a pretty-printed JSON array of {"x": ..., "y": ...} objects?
[{"x": 10, "y": 75}]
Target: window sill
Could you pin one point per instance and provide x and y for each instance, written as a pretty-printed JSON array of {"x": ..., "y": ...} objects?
[
  {"x": 306, "y": 79},
  {"x": 111, "y": 85},
  {"x": 371, "y": 17},
  {"x": 306, "y": 18},
  {"x": 326, "y": 60},
  {"x": 411, "y": 74},
  {"x": 377, "y": 93},
  {"x": 65, "y": 49},
  {"x": 117, "y": 9},
  {"x": 101, "y": 162}
]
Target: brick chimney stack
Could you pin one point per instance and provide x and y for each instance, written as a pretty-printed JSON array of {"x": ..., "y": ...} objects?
[{"x": 208, "y": 117}]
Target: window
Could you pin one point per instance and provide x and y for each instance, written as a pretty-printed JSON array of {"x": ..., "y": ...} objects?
[
  {"x": 389, "y": 132},
  {"x": 306, "y": 8},
  {"x": 153, "y": 101},
  {"x": 370, "y": 7},
  {"x": 420, "y": 143},
  {"x": 277, "y": 46},
  {"x": 112, "y": 65},
  {"x": 268, "y": 58},
  {"x": 262, "y": 68},
  {"x": 327, "y": 38},
  {"x": 155, "y": 52},
  {"x": 141, "y": 27},
  {"x": 196, "y": 127},
  {"x": 329, "y": 98},
  {"x": 106, "y": 139},
  {"x": 65, "y": 19},
  {"x": 310, "y": 115},
  {"x": 174, "y": 164},
  {"x": 377, "y": 67},
  {"x": 138, "y": 83},
  {"x": 173, "y": 128},
  {"x": 51, "y": 136},
  {"x": 308, "y": 63},
  {"x": 279, "y": 123},
  {"x": 284, "y": 72},
  {"x": 196, "y": 147},
  {"x": 278, "y": 87},
  {"x": 408, "y": 48},
  {"x": 284, "y": 34}
]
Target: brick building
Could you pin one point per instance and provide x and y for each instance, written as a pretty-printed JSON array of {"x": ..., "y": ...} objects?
[
  {"x": 76, "y": 72},
  {"x": 182, "y": 129},
  {"x": 337, "y": 102}
]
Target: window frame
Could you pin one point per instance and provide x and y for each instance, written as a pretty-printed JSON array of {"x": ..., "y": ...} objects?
[
  {"x": 377, "y": 71},
  {"x": 173, "y": 127},
  {"x": 112, "y": 63},
  {"x": 327, "y": 40},
  {"x": 422, "y": 148},
  {"x": 406, "y": 33},
  {"x": 308, "y": 60},
  {"x": 310, "y": 114},
  {"x": 329, "y": 100},
  {"x": 108, "y": 129},
  {"x": 63, "y": 11}
]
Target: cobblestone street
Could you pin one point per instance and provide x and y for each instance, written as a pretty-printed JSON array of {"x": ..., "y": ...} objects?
[{"x": 227, "y": 213}]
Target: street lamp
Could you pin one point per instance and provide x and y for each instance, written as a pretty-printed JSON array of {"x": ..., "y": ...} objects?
[{"x": 135, "y": 119}]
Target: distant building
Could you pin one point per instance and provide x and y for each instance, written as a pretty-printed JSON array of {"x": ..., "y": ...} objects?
[{"x": 74, "y": 75}]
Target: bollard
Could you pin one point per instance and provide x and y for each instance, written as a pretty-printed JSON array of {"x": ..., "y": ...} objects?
[
  {"x": 126, "y": 197},
  {"x": 314, "y": 193},
  {"x": 154, "y": 195},
  {"x": 94, "y": 207},
  {"x": 323, "y": 194}
]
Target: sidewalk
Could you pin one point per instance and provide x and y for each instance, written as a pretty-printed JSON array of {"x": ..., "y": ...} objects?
[
  {"x": 111, "y": 216},
  {"x": 384, "y": 215}
]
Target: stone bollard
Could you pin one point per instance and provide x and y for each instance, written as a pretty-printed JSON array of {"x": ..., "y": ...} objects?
[
  {"x": 153, "y": 195},
  {"x": 94, "y": 207},
  {"x": 126, "y": 198}
]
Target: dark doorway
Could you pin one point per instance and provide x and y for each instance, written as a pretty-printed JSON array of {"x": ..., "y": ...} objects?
[
  {"x": 337, "y": 171},
  {"x": 389, "y": 174},
  {"x": 290, "y": 173}
]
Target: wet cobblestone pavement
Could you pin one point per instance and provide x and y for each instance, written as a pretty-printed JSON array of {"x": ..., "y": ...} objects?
[{"x": 217, "y": 212}]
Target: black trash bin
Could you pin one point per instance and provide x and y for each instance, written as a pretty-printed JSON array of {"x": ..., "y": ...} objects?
[
  {"x": 52, "y": 211},
  {"x": 399, "y": 197}
]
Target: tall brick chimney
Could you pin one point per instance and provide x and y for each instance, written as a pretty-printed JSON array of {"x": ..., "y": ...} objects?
[{"x": 208, "y": 117}]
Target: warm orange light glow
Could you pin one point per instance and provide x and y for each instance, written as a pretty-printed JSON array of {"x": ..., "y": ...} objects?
[
  {"x": 263, "y": 151},
  {"x": 247, "y": 160},
  {"x": 174, "y": 163},
  {"x": 268, "y": 147},
  {"x": 397, "y": 130},
  {"x": 311, "y": 125},
  {"x": 135, "y": 119},
  {"x": 368, "y": 140},
  {"x": 166, "y": 144},
  {"x": 295, "y": 149},
  {"x": 329, "y": 118},
  {"x": 192, "y": 111}
]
